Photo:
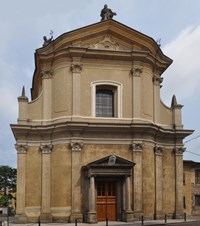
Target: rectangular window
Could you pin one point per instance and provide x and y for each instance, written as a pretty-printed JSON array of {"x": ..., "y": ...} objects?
[
  {"x": 104, "y": 103},
  {"x": 184, "y": 203},
  {"x": 197, "y": 176},
  {"x": 106, "y": 99},
  {"x": 197, "y": 200},
  {"x": 183, "y": 178}
]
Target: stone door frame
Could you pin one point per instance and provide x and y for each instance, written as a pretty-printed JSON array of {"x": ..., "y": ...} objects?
[{"x": 109, "y": 167}]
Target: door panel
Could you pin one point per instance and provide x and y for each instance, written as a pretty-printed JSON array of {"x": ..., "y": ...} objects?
[{"x": 106, "y": 200}]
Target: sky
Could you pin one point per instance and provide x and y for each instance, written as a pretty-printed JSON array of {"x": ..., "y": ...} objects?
[{"x": 23, "y": 24}]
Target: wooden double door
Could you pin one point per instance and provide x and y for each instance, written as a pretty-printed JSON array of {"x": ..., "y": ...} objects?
[{"x": 106, "y": 200}]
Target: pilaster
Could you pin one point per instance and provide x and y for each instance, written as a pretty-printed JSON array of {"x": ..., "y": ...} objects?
[
  {"x": 46, "y": 183},
  {"x": 157, "y": 80},
  {"x": 136, "y": 73},
  {"x": 47, "y": 92},
  {"x": 137, "y": 178},
  {"x": 158, "y": 182},
  {"x": 76, "y": 69},
  {"x": 178, "y": 152},
  {"x": 76, "y": 148},
  {"x": 20, "y": 216}
]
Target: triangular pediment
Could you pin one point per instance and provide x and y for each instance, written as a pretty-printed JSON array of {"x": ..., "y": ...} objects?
[
  {"x": 103, "y": 40},
  {"x": 109, "y": 34},
  {"x": 111, "y": 160},
  {"x": 110, "y": 166}
]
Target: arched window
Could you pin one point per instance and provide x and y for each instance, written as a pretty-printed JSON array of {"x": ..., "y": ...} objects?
[
  {"x": 104, "y": 103},
  {"x": 106, "y": 99}
]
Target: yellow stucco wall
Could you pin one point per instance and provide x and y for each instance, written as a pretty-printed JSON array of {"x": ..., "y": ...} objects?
[{"x": 168, "y": 182}]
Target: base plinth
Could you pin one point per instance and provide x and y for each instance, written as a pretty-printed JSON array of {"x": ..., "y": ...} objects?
[
  {"x": 76, "y": 216},
  {"x": 46, "y": 218}
]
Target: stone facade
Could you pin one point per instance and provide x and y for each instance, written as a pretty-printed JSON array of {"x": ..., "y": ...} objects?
[
  {"x": 75, "y": 165},
  {"x": 191, "y": 182}
]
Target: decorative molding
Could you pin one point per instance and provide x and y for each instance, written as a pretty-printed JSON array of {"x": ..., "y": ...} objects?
[
  {"x": 158, "y": 150},
  {"x": 112, "y": 160},
  {"x": 179, "y": 151},
  {"x": 119, "y": 87},
  {"x": 76, "y": 68},
  {"x": 46, "y": 74},
  {"x": 46, "y": 149},
  {"x": 76, "y": 146},
  {"x": 157, "y": 80},
  {"x": 106, "y": 43},
  {"x": 136, "y": 72},
  {"x": 21, "y": 148},
  {"x": 137, "y": 147}
]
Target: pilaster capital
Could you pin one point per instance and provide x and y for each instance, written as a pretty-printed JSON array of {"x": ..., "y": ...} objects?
[
  {"x": 158, "y": 150},
  {"x": 76, "y": 146},
  {"x": 76, "y": 68},
  {"x": 47, "y": 73},
  {"x": 21, "y": 148},
  {"x": 46, "y": 149},
  {"x": 137, "y": 147},
  {"x": 179, "y": 151},
  {"x": 157, "y": 80},
  {"x": 136, "y": 72}
]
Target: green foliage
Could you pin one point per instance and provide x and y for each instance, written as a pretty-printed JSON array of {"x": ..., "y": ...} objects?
[
  {"x": 8, "y": 179},
  {"x": 4, "y": 200}
]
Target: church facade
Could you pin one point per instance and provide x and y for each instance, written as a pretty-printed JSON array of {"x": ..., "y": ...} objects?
[{"x": 96, "y": 141}]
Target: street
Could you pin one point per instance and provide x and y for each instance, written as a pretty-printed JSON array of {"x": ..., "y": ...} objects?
[{"x": 179, "y": 224}]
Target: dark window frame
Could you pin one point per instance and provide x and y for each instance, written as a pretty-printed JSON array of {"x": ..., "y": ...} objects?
[
  {"x": 105, "y": 103},
  {"x": 184, "y": 202},
  {"x": 197, "y": 200},
  {"x": 197, "y": 177}
]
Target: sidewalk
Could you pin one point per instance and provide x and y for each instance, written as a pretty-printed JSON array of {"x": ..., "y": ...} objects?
[{"x": 111, "y": 223}]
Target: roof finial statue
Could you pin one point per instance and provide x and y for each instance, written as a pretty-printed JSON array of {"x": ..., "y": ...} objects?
[
  {"x": 46, "y": 40},
  {"x": 107, "y": 13}
]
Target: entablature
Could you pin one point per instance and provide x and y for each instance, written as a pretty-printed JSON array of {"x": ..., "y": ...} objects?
[{"x": 112, "y": 133}]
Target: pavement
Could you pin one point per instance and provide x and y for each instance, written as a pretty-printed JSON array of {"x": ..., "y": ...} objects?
[{"x": 196, "y": 221}]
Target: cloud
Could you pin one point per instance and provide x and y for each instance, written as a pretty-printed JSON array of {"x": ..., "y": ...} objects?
[
  {"x": 8, "y": 91},
  {"x": 183, "y": 77}
]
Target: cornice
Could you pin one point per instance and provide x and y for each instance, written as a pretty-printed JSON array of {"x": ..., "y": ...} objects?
[
  {"x": 106, "y": 54},
  {"x": 108, "y": 27},
  {"x": 98, "y": 131}
]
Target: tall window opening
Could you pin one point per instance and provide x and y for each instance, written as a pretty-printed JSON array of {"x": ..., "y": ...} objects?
[
  {"x": 104, "y": 103},
  {"x": 197, "y": 200},
  {"x": 106, "y": 99},
  {"x": 197, "y": 176}
]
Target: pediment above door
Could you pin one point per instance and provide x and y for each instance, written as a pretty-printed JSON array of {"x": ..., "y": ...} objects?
[{"x": 110, "y": 166}]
